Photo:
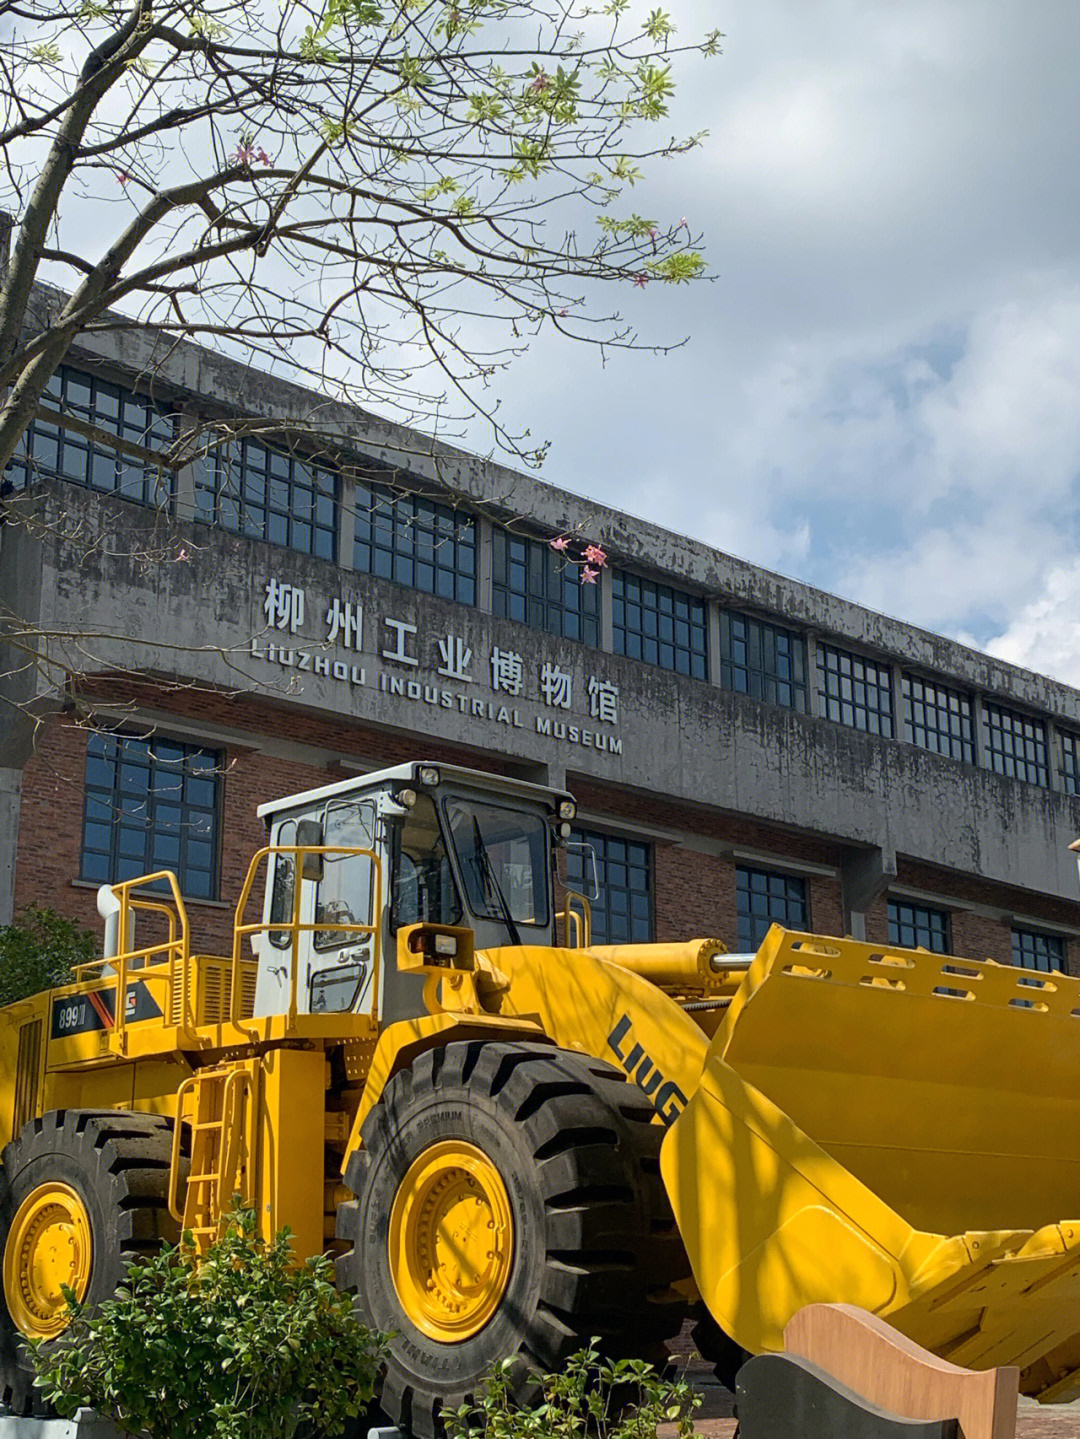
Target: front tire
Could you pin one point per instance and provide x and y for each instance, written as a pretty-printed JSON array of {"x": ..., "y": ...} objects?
[
  {"x": 81, "y": 1193},
  {"x": 509, "y": 1204}
]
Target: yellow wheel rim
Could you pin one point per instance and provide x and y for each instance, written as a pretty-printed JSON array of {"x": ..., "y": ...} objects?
[
  {"x": 48, "y": 1246},
  {"x": 451, "y": 1241}
]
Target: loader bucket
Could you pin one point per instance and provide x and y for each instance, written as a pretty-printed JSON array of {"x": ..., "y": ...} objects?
[{"x": 898, "y": 1130}]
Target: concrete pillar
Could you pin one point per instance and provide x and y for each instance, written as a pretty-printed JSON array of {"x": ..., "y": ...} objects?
[
  {"x": 346, "y": 517},
  {"x": 10, "y": 806},
  {"x": 485, "y": 555},
  {"x": 712, "y": 639},
  {"x": 607, "y": 632},
  {"x": 865, "y": 875}
]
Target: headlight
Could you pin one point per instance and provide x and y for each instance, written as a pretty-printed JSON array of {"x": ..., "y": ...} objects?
[
  {"x": 567, "y": 809},
  {"x": 407, "y": 797},
  {"x": 428, "y": 774}
]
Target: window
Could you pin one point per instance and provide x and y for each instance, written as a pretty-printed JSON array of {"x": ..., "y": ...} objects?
[
  {"x": 1033, "y": 950},
  {"x": 855, "y": 691},
  {"x": 762, "y": 660},
  {"x": 268, "y": 494},
  {"x": 150, "y": 804},
  {"x": 533, "y": 584},
  {"x": 1016, "y": 745},
  {"x": 57, "y": 449},
  {"x": 765, "y": 897},
  {"x": 658, "y": 624},
  {"x": 623, "y": 913},
  {"x": 1070, "y": 762},
  {"x": 912, "y": 926},
  {"x": 504, "y": 858},
  {"x": 415, "y": 541},
  {"x": 937, "y": 718}
]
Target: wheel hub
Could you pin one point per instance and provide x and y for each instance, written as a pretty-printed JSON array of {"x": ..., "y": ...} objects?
[
  {"x": 48, "y": 1248},
  {"x": 451, "y": 1241}
]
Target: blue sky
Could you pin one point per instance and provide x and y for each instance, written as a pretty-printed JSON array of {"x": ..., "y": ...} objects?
[{"x": 881, "y": 389}]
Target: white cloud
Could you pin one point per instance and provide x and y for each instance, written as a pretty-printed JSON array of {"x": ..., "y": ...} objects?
[{"x": 1045, "y": 633}]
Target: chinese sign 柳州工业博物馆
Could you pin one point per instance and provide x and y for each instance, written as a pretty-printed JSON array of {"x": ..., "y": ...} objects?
[{"x": 507, "y": 673}]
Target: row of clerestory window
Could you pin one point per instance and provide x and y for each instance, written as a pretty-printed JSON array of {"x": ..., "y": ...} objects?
[{"x": 107, "y": 437}]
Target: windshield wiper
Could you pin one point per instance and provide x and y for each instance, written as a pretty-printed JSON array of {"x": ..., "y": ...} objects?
[{"x": 489, "y": 872}]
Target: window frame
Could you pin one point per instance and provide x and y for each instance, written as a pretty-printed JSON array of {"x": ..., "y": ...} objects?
[
  {"x": 105, "y": 408},
  {"x": 1069, "y": 768},
  {"x": 964, "y": 710},
  {"x": 829, "y": 662},
  {"x": 600, "y": 840},
  {"x": 379, "y": 526},
  {"x": 1040, "y": 937},
  {"x": 630, "y": 592},
  {"x": 761, "y": 682},
  {"x": 247, "y": 487},
  {"x": 550, "y": 592},
  {"x": 919, "y": 909},
  {"x": 1001, "y": 722},
  {"x": 103, "y": 809},
  {"x": 745, "y": 877}
]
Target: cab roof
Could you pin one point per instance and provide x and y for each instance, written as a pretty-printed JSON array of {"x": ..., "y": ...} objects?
[{"x": 408, "y": 774}]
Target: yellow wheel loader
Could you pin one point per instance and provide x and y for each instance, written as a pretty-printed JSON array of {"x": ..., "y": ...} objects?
[{"x": 512, "y": 1139}]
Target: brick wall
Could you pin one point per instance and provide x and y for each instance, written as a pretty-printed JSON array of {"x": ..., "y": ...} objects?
[{"x": 694, "y": 892}]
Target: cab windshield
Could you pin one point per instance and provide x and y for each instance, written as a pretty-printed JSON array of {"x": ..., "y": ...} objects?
[{"x": 503, "y": 858}]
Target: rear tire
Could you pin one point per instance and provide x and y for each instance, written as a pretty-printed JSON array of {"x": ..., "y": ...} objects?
[
  {"x": 100, "y": 1179},
  {"x": 590, "y": 1248}
]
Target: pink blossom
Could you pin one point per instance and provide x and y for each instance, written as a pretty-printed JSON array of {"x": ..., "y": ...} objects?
[
  {"x": 122, "y": 177},
  {"x": 595, "y": 555},
  {"x": 245, "y": 153},
  {"x": 653, "y": 233},
  {"x": 560, "y": 543},
  {"x": 563, "y": 313},
  {"x": 263, "y": 158},
  {"x": 588, "y": 575},
  {"x": 684, "y": 224},
  {"x": 641, "y": 281},
  {"x": 540, "y": 84}
]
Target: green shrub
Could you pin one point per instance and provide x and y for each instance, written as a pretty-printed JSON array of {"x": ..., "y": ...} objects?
[
  {"x": 38, "y": 952},
  {"x": 625, "y": 1399},
  {"x": 241, "y": 1343}
]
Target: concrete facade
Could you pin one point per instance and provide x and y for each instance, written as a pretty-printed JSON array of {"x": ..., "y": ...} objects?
[{"x": 163, "y": 624}]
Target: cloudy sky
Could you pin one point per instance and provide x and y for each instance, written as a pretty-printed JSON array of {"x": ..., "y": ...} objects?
[{"x": 881, "y": 389}]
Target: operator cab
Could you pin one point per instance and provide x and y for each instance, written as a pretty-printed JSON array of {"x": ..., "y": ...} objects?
[{"x": 441, "y": 843}]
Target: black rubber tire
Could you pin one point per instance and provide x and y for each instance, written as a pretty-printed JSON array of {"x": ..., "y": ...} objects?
[
  {"x": 596, "y": 1248},
  {"x": 718, "y": 1348},
  {"x": 118, "y": 1162}
]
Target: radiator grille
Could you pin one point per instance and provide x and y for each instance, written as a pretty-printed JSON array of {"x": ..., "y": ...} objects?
[{"x": 27, "y": 1074}]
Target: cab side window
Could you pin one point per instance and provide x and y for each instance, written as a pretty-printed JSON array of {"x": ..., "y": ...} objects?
[
  {"x": 346, "y": 889},
  {"x": 423, "y": 887},
  {"x": 283, "y": 890}
]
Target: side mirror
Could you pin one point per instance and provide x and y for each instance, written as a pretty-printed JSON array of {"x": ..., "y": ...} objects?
[{"x": 309, "y": 834}]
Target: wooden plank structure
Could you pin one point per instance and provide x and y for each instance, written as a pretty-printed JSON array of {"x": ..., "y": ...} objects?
[{"x": 845, "y": 1374}]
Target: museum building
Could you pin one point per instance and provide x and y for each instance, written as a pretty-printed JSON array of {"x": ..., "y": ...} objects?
[{"x": 305, "y": 591}]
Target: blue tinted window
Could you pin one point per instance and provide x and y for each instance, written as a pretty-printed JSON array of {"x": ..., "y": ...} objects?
[
  {"x": 765, "y": 897},
  {"x": 531, "y": 582},
  {"x": 623, "y": 913},
  {"x": 151, "y": 804},
  {"x": 658, "y": 624},
  {"x": 54, "y": 448},
  {"x": 763, "y": 660},
  {"x": 268, "y": 494},
  {"x": 416, "y": 541}
]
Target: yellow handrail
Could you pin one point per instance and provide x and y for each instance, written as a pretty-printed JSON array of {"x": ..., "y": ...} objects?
[
  {"x": 293, "y": 925},
  {"x": 175, "y": 948},
  {"x": 581, "y": 921}
]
